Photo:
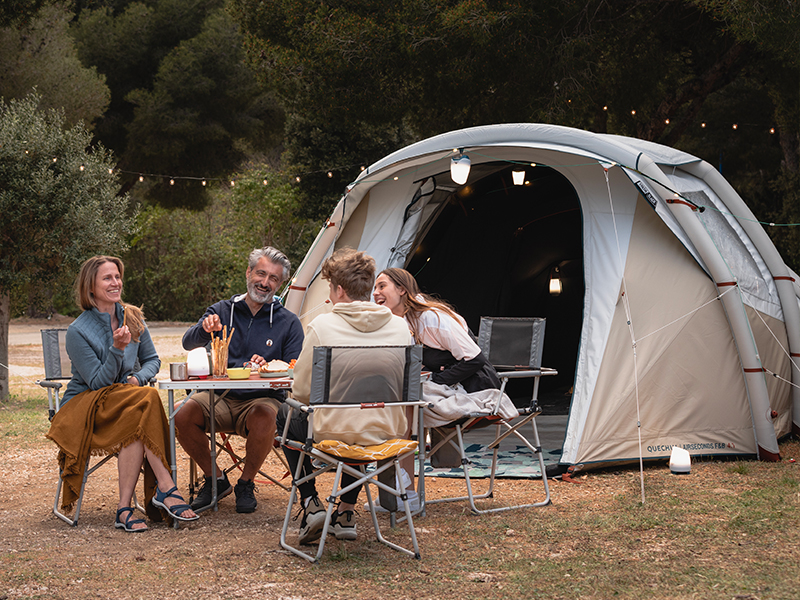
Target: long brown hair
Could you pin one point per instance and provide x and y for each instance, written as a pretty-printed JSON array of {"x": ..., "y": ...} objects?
[
  {"x": 414, "y": 301},
  {"x": 84, "y": 292}
]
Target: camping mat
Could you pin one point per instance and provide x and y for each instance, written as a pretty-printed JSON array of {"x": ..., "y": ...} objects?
[{"x": 519, "y": 463}]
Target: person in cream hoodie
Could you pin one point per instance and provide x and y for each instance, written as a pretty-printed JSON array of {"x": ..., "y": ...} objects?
[{"x": 354, "y": 321}]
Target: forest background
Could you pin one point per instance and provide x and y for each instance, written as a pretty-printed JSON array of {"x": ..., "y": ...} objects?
[{"x": 215, "y": 126}]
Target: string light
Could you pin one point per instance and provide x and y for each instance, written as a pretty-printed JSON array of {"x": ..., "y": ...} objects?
[
  {"x": 204, "y": 182},
  {"x": 735, "y": 126},
  {"x": 141, "y": 177},
  {"x": 233, "y": 183},
  {"x": 633, "y": 112},
  {"x": 330, "y": 174},
  {"x": 265, "y": 182},
  {"x": 172, "y": 182},
  {"x": 82, "y": 168},
  {"x": 297, "y": 179},
  {"x": 54, "y": 159}
]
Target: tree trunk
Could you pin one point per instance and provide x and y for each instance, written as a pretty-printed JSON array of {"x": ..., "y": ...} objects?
[{"x": 5, "y": 318}]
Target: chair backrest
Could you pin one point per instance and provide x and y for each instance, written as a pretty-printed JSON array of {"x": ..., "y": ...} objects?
[
  {"x": 512, "y": 342},
  {"x": 54, "y": 349},
  {"x": 365, "y": 374}
]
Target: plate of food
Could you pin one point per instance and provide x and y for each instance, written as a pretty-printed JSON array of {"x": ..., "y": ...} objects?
[{"x": 274, "y": 368}]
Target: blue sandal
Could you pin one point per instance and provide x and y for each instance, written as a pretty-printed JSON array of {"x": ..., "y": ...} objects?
[
  {"x": 128, "y": 524},
  {"x": 176, "y": 510}
]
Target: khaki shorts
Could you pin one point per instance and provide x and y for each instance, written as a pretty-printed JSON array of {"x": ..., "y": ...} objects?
[{"x": 232, "y": 414}]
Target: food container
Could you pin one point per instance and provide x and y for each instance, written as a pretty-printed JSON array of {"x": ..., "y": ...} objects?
[
  {"x": 219, "y": 362},
  {"x": 239, "y": 373},
  {"x": 178, "y": 371}
]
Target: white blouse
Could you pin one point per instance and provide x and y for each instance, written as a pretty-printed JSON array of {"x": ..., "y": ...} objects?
[{"x": 438, "y": 330}]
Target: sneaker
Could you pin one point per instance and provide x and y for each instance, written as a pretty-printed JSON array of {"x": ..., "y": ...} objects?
[
  {"x": 245, "y": 498},
  {"x": 413, "y": 503},
  {"x": 203, "y": 498},
  {"x": 313, "y": 521},
  {"x": 343, "y": 525}
]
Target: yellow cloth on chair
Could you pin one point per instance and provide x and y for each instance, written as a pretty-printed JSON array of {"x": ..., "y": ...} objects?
[
  {"x": 366, "y": 453},
  {"x": 104, "y": 421}
]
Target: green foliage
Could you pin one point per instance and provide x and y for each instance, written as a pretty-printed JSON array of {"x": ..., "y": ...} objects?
[
  {"x": 59, "y": 202},
  {"x": 15, "y": 12},
  {"x": 395, "y": 73},
  {"x": 43, "y": 56},
  {"x": 203, "y": 100},
  {"x": 184, "y": 260},
  {"x": 183, "y": 103}
]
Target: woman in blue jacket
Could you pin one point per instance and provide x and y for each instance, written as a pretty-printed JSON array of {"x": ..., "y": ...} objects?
[{"x": 107, "y": 407}]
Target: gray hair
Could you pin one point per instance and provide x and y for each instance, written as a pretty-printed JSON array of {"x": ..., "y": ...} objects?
[{"x": 273, "y": 255}]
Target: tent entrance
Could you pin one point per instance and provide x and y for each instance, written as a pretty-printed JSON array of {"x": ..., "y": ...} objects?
[{"x": 492, "y": 248}]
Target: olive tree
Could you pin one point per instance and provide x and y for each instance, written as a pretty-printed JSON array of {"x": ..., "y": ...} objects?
[{"x": 58, "y": 201}]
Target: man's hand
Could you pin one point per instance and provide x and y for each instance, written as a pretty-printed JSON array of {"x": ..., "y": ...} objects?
[
  {"x": 257, "y": 359},
  {"x": 212, "y": 323}
]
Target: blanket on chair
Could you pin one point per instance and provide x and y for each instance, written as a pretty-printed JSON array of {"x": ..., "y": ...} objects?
[
  {"x": 103, "y": 422},
  {"x": 452, "y": 403}
]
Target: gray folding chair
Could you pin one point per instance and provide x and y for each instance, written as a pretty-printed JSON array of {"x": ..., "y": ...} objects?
[
  {"x": 57, "y": 369},
  {"x": 358, "y": 378},
  {"x": 514, "y": 347}
]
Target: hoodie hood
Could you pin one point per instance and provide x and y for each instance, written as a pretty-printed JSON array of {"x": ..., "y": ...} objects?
[{"x": 363, "y": 316}]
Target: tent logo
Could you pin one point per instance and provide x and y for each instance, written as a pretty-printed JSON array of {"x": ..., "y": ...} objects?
[{"x": 646, "y": 193}]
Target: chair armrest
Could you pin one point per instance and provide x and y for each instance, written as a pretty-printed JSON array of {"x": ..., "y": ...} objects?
[
  {"x": 544, "y": 371},
  {"x": 49, "y": 384}
]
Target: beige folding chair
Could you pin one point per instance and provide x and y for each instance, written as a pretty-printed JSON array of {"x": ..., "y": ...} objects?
[
  {"x": 358, "y": 378},
  {"x": 58, "y": 368},
  {"x": 514, "y": 347}
]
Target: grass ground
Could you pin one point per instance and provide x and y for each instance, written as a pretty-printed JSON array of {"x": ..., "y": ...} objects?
[{"x": 727, "y": 530}]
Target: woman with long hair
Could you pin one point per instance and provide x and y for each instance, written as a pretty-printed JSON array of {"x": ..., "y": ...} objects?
[
  {"x": 448, "y": 350},
  {"x": 108, "y": 407}
]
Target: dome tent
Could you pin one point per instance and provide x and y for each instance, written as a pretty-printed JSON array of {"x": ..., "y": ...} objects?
[{"x": 678, "y": 320}]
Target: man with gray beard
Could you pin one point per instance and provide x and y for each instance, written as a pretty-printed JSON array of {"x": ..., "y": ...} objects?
[{"x": 265, "y": 331}]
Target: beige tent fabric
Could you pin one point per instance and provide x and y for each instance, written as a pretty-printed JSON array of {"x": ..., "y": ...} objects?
[
  {"x": 774, "y": 358},
  {"x": 314, "y": 299},
  {"x": 669, "y": 383}
]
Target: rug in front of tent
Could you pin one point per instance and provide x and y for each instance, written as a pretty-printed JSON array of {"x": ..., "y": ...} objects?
[{"x": 519, "y": 463}]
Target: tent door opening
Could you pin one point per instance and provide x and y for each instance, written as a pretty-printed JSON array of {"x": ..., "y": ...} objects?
[{"x": 492, "y": 248}]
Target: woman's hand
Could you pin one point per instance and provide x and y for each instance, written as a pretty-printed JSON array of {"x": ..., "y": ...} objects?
[{"x": 122, "y": 337}]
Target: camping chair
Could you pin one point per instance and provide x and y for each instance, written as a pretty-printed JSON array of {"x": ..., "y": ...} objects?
[
  {"x": 58, "y": 368},
  {"x": 358, "y": 378},
  {"x": 514, "y": 347}
]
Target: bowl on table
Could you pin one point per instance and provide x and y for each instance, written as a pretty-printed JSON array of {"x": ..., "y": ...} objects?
[{"x": 239, "y": 373}]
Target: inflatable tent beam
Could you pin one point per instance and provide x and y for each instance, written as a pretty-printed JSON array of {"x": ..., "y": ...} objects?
[
  {"x": 753, "y": 372},
  {"x": 784, "y": 279}
]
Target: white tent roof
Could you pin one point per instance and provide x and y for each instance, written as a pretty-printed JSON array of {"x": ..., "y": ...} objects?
[{"x": 612, "y": 176}]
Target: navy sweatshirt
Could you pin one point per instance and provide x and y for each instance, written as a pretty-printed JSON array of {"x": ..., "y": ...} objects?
[{"x": 274, "y": 332}]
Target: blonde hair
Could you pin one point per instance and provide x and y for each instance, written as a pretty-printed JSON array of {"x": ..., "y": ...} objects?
[
  {"x": 84, "y": 292},
  {"x": 414, "y": 301}
]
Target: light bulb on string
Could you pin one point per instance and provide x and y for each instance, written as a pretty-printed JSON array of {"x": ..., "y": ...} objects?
[
  {"x": 172, "y": 182},
  {"x": 82, "y": 168},
  {"x": 204, "y": 182},
  {"x": 736, "y": 126},
  {"x": 265, "y": 182},
  {"x": 141, "y": 177},
  {"x": 330, "y": 174},
  {"x": 297, "y": 179}
]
